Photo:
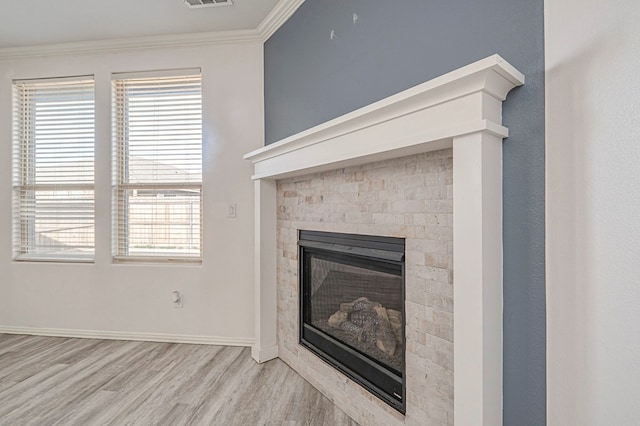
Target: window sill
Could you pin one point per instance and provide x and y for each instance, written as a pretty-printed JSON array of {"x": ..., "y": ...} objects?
[
  {"x": 153, "y": 260},
  {"x": 50, "y": 259}
]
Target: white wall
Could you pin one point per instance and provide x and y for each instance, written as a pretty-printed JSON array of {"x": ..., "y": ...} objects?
[
  {"x": 593, "y": 211},
  {"x": 133, "y": 298}
]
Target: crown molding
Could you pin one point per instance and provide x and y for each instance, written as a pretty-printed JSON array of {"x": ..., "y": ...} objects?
[
  {"x": 274, "y": 20},
  {"x": 131, "y": 44},
  {"x": 277, "y": 17}
]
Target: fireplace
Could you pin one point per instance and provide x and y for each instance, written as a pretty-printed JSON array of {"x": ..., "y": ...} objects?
[
  {"x": 336, "y": 177},
  {"x": 352, "y": 308}
]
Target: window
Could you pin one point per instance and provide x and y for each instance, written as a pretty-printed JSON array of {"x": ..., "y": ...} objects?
[
  {"x": 157, "y": 188},
  {"x": 53, "y": 169}
]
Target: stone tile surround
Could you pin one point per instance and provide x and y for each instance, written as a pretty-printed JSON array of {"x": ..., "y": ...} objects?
[{"x": 409, "y": 197}]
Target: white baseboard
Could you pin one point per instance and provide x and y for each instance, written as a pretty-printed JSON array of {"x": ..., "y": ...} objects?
[
  {"x": 118, "y": 335},
  {"x": 261, "y": 355}
]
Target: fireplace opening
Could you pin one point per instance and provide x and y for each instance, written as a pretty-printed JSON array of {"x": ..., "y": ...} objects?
[{"x": 352, "y": 308}]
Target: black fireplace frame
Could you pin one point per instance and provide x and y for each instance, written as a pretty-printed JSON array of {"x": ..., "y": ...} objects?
[{"x": 384, "y": 254}]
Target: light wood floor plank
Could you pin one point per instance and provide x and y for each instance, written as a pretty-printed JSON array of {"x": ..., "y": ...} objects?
[
  {"x": 70, "y": 382},
  {"x": 6, "y": 385},
  {"x": 66, "y": 381}
]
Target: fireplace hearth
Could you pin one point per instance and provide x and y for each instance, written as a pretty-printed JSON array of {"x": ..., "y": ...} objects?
[{"x": 352, "y": 308}]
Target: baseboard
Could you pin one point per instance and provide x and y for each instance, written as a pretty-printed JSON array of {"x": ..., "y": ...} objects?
[
  {"x": 264, "y": 354},
  {"x": 117, "y": 335}
]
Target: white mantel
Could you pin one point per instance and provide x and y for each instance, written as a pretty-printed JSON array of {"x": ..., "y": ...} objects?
[{"x": 461, "y": 109}]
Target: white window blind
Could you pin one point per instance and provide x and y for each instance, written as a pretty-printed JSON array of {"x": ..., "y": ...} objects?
[
  {"x": 53, "y": 169},
  {"x": 157, "y": 191}
]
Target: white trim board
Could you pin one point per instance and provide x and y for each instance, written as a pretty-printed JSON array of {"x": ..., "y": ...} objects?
[
  {"x": 131, "y": 44},
  {"x": 461, "y": 109},
  {"x": 118, "y": 335}
]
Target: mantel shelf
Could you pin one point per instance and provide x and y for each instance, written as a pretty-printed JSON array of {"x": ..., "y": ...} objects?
[{"x": 418, "y": 119}]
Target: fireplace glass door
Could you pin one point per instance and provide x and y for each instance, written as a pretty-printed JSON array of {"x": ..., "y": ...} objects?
[{"x": 352, "y": 307}]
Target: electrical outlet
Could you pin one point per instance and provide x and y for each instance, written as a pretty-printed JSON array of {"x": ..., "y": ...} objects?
[
  {"x": 232, "y": 211},
  {"x": 177, "y": 299}
]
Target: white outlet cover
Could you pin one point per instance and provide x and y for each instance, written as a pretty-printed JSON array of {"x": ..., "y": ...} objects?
[{"x": 232, "y": 211}]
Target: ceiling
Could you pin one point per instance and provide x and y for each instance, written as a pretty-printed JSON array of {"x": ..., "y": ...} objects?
[{"x": 38, "y": 22}]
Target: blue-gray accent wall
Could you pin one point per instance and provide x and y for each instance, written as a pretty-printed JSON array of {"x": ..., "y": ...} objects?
[{"x": 311, "y": 78}]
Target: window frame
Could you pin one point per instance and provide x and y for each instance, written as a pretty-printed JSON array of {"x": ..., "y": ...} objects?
[
  {"x": 121, "y": 183},
  {"x": 25, "y": 168}
]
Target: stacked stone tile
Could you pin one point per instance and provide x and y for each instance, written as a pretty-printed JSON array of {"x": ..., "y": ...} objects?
[{"x": 408, "y": 197}]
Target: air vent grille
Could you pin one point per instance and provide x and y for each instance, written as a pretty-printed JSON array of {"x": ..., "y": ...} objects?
[{"x": 208, "y": 3}]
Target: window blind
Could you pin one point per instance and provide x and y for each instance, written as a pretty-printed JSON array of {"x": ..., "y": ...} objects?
[
  {"x": 53, "y": 169},
  {"x": 157, "y": 188}
]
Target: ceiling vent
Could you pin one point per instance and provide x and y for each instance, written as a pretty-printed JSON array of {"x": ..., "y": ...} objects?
[{"x": 208, "y": 3}]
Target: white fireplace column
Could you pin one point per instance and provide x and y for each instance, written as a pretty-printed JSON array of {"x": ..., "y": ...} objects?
[
  {"x": 265, "y": 346},
  {"x": 477, "y": 278},
  {"x": 461, "y": 109}
]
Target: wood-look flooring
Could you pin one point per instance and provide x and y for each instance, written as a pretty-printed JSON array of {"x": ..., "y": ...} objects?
[{"x": 62, "y": 381}]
